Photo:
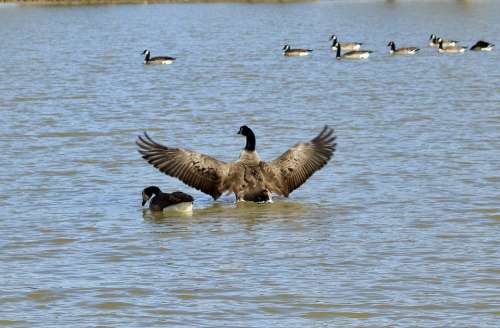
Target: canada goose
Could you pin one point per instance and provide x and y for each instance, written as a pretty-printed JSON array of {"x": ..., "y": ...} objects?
[
  {"x": 446, "y": 43},
  {"x": 450, "y": 49},
  {"x": 356, "y": 54},
  {"x": 344, "y": 45},
  {"x": 160, "y": 201},
  {"x": 401, "y": 51},
  {"x": 287, "y": 51},
  {"x": 249, "y": 178},
  {"x": 434, "y": 42},
  {"x": 156, "y": 60},
  {"x": 482, "y": 46}
]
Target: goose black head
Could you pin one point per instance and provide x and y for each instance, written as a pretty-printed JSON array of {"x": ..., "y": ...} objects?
[
  {"x": 392, "y": 45},
  {"x": 148, "y": 192},
  {"x": 145, "y": 52},
  {"x": 286, "y": 47},
  {"x": 433, "y": 37},
  {"x": 248, "y": 133},
  {"x": 333, "y": 37}
]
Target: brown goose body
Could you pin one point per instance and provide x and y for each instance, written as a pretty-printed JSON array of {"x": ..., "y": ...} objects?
[
  {"x": 450, "y": 49},
  {"x": 346, "y": 46},
  {"x": 289, "y": 52},
  {"x": 249, "y": 178},
  {"x": 159, "y": 60},
  {"x": 401, "y": 51}
]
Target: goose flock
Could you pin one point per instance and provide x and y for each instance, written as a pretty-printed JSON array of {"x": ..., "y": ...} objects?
[
  {"x": 249, "y": 178},
  {"x": 354, "y": 50}
]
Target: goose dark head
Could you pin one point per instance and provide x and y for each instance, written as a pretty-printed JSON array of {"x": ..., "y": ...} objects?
[
  {"x": 145, "y": 52},
  {"x": 286, "y": 47},
  {"x": 148, "y": 192},
  {"x": 333, "y": 37},
  {"x": 248, "y": 133},
  {"x": 433, "y": 37}
]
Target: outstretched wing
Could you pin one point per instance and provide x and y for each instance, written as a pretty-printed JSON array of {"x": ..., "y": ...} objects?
[
  {"x": 197, "y": 170},
  {"x": 295, "y": 166}
]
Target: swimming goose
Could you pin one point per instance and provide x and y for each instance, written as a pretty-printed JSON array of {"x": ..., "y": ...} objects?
[
  {"x": 148, "y": 60},
  {"x": 401, "y": 51},
  {"x": 160, "y": 201},
  {"x": 450, "y": 49},
  {"x": 434, "y": 42},
  {"x": 249, "y": 178},
  {"x": 482, "y": 46},
  {"x": 357, "y": 54},
  {"x": 287, "y": 51},
  {"x": 344, "y": 45}
]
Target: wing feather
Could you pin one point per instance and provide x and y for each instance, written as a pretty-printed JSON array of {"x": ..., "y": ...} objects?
[
  {"x": 197, "y": 170},
  {"x": 295, "y": 166}
]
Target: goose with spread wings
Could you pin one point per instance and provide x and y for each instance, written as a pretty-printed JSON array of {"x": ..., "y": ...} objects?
[{"x": 249, "y": 178}]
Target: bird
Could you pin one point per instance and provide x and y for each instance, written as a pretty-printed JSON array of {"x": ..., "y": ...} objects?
[
  {"x": 449, "y": 49},
  {"x": 434, "y": 42},
  {"x": 160, "y": 201},
  {"x": 355, "y": 54},
  {"x": 148, "y": 60},
  {"x": 289, "y": 52},
  {"x": 344, "y": 45},
  {"x": 249, "y": 178},
  {"x": 482, "y": 46},
  {"x": 401, "y": 51}
]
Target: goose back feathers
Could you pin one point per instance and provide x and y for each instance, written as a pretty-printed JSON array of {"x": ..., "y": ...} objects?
[{"x": 249, "y": 178}]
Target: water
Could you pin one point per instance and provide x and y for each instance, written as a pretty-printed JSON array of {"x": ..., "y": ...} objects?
[{"x": 401, "y": 228}]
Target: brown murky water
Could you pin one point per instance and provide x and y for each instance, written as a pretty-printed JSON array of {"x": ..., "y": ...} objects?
[{"x": 400, "y": 229}]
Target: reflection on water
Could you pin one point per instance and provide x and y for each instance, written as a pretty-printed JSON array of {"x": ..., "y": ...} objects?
[
  {"x": 248, "y": 213},
  {"x": 401, "y": 228}
]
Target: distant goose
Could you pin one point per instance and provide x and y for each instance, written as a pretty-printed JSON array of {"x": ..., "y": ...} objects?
[
  {"x": 482, "y": 46},
  {"x": 249, "y": 178},
  {"x": 434, "y": 42},
  {"x": 450, "y": 49},
  {"x": 289, "y": 52},
  {"x": 401, "y": 51},
  {"x": 148, "y": 60},
  {"x": 356, "y": 54},
  {"x": 160, "y": 201},
  {"x": 344, "y": 45}
]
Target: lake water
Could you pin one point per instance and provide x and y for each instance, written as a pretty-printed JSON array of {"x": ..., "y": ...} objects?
[{"x": 400, "y": 229}]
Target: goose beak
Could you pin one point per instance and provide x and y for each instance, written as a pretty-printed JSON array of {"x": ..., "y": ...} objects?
[{"x": 239, "y": 131}]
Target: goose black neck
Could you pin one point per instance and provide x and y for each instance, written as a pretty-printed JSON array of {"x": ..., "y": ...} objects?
[
  {"x": 338, "y": 50},
  {"x": 250, "y": 146},
  {"x": 147, "y": 57},
  {"x": 393, "y": 47}
]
